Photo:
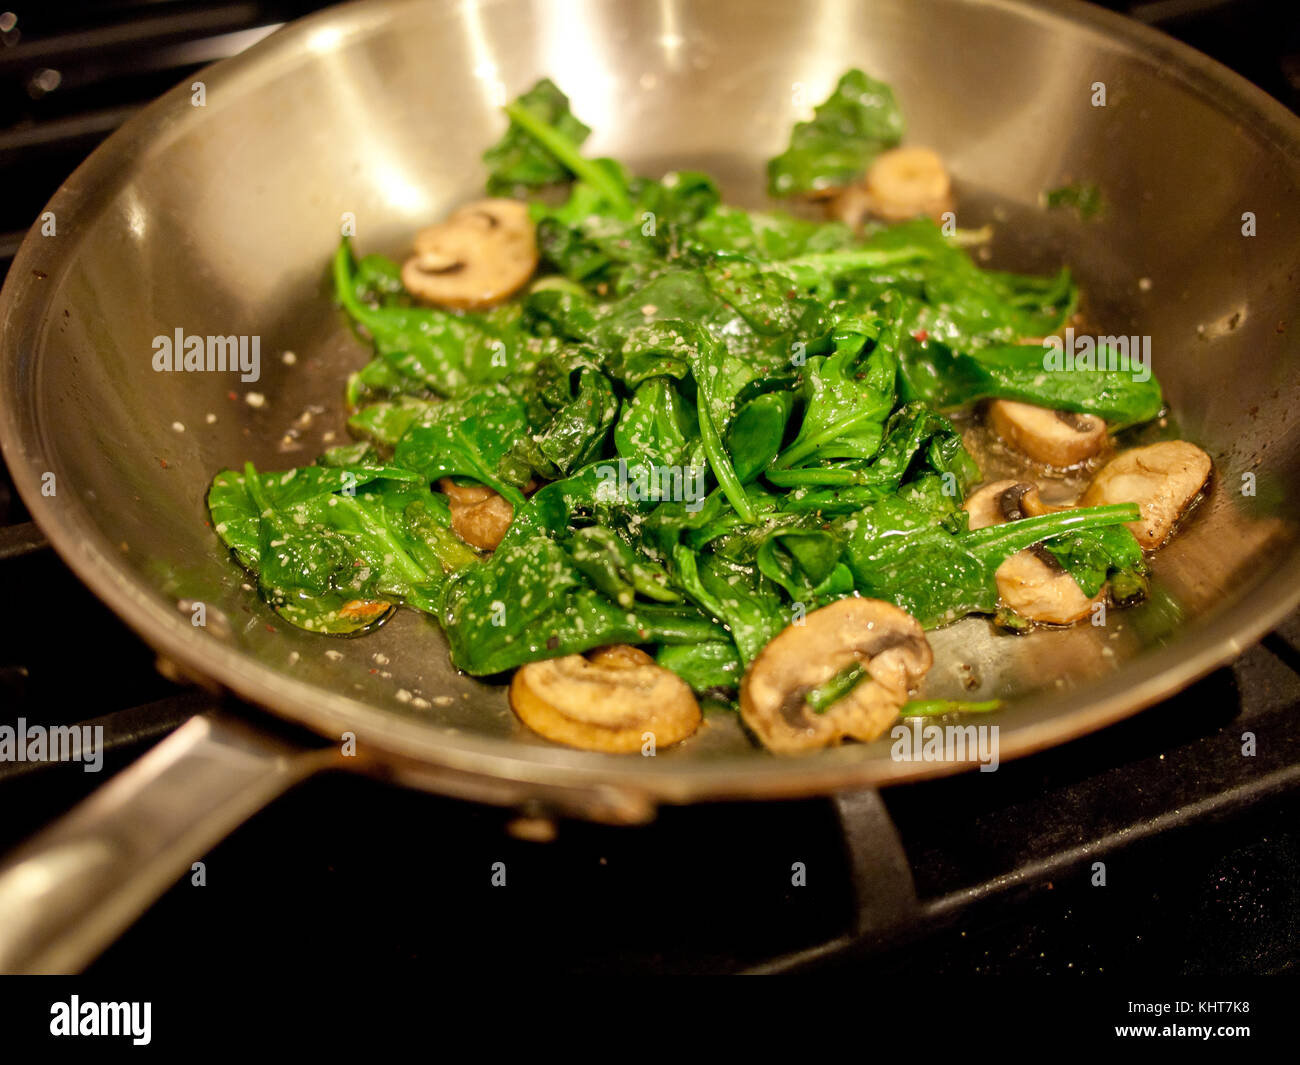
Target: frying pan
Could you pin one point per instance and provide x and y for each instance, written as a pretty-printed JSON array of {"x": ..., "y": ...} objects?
[{"x": 218, "y": 216}]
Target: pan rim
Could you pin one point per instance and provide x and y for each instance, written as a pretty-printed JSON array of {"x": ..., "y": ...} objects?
[{"x": 1203, "y": 647}]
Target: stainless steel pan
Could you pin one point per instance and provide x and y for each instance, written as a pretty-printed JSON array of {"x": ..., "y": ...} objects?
[{"x": 219, "y": 219}]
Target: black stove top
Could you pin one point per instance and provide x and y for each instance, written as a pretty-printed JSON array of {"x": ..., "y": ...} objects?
[{"x": 988, "y": 874}]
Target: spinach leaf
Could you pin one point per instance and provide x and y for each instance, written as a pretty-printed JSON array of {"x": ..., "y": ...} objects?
[
  {"x": 591, "y": 240},
  {"x": 660, "y": 425},
  {"x": 856, "y": 123},
  {"x": 755, "y": 434},
  {"x": 1091, "y": 556},
  {"x": 334, "y": 549},
  {"x": 571, "y": 406},
  {"x": 738, "y": 595},
  {"x": 237, "y": 515},
  {"x": 934, "y": 373},
  {"x": 846, "y": 399},
  {"x": 806, "y": 563},
  {"x": 530, "y": 601},
  {"x": 466, "y": 437},
  {"x": 519, "y": 158},
  {"x": 425, "y": 348},
  {"x": 920, "y": 445},
  {"x": 542, "y": 146},
  {"x": 386, "y": 422},
  {"x": 710, "y": 667},
  {"x": 616, "y": 570},
  {"x": 764, "y": 236},
  {"x": 897, "y": 552}
]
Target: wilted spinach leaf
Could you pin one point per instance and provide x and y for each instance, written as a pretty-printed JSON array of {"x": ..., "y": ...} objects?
[{"x": 858, "y": 121}]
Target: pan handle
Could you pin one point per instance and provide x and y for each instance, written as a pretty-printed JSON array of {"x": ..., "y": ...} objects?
[{"x": 70, "y": 891}]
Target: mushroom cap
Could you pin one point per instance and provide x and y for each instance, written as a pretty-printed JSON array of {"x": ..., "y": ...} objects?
[
  {"x": 1030, "y": 582},
  {"x": 1162, "y": 479},
  {"x": 479, "y": 515},
  {"x": 1058, "y": 438},
  {"x": 905, "y": 183},
  {"x": 465, "y": 495},
  {"x": 888, "y": 641},
  {"x": 478, "y": 256},
  {"x": 605, "y": 702},
  {"x": 1002, "y": 501},
  {"x": 1035, "y": 586}
]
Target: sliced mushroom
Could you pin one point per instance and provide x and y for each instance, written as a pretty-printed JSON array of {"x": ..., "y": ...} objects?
[
  {"x": 908, "y": 183},
  {"x": 900, "y": 184},
  {"x": 887, "y": 641},
  {"x": 479, "y": 516},
  {"x": 1035, "y": 586},
  {"x": 1030, "y": 582},
  {"x": 1056, "y": 437},
  {"x": 465, "y": 495},
  {"x": 481, "y": 254},
  {"x": 1162, "y": 479},
  {"x": 1001, "y": 501},
  {"x": 607, "y": 701}
]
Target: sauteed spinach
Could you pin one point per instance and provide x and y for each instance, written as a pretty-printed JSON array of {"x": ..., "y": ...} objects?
[{"x": 708, "y": 420}]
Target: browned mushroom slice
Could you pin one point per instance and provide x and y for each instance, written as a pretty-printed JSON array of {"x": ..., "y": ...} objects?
[
  {"x": 480, "y": 255},
  {"x": 1001, "y": 501},
  {"x": 605, "y": 702},
  {"x": 1162, "y": 479},
  {"x": 479, "y": 516},
  {"x": 1030, "y": 582},
  {"x": 464, "y": 495},
  {"x": 901, "y": 184},
  {"x": 886, "y": 641},
  {"x": 1056, "y": 437},
  {"x": 908, "y": 183},
  {"x": 1036, "y": 587}
]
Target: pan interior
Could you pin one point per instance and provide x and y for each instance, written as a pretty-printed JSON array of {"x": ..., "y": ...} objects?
[{"x": 220, "y": 220}]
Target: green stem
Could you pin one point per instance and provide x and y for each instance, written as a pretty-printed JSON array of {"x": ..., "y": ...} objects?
[
  {"x": 679, "y": 625},
  {"x": 721, "y": 463},
  {"x": 798, "y": 451},
  {"x": 1002, "y": 541},
  {"x": 939, "y": 707},
  {"x": 253, "y": 485},
  {"x": 343, "y": 284},
  {"x": 834, "y": 263},
  {"x": 567, "y": 153},
  {"x": 825, "y": 475},
  {"x": 822, "y": 697}
]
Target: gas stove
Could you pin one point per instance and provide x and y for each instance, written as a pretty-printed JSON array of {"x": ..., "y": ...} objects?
[{"x": 997, "y": 874}]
